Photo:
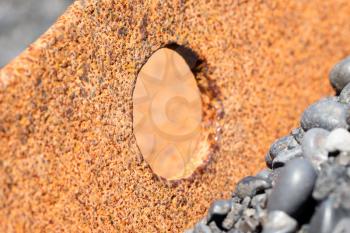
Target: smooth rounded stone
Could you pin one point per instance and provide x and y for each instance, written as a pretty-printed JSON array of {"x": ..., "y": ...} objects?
[
  {"x": 233, "y": 216},
  {"x": 298, "y": 134},
  {"x": 259, "y": 201},
  {"x": 264, "y": 174},
  {"x": 344, "y": 96},
  {"x": 202, "y": 228},
  {"x": 281, "y": 144},
  {"x": 313, "y": 146},
  {"x": 327, "y": 114},
  {"x": 279, "y": 222},
  {"x": 340, "y": 74},
  {"x": 326, "y": 217},
  {"x": 284, "y": 156},
  {"x": 338, "y": 140},
  {"x": 247, "y": 224},
  {"x": 329, "y": 179},
  {"x": 251, "y": 185},
  {"x": 218, "y": 210},
  {"x": 343, "y": 159},
  {"x": 343, "y": 226},
  {"x": 293, "y": 187}
]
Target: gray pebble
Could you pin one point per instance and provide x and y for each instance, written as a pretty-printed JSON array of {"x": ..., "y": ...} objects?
[
  {"x": 343, "y": 226},
  {"x": 202, "y": 228},
  {"x": 279, "y": 222},
  {"x": 251, "y": 185},
  {"x": 233, "y": 216},
  {"x": 284, "y": 143},
  {"x": 338, "y": 140},
  {"x": 327, "y": 114},
  {"x": 313, "y": 146},
  {"x": 340, "y": 74},
  {"x": 344, "y": 96},
  {"x": 329, "y": 178},
  {"x": 265, "y": 174},
  {"x": 298, "y": 134},
  {"x": 326, "y": 217},
  {"x": 246, "y": 202},
  {"x": 218, "y": 210},
  {"x": 293, "y": 187},
  {"x": 259, "y": 201},
  {"x": 214, "y": 228},
  {"x": 343, "y": 159},
  {"x": 284, "y": 156}
]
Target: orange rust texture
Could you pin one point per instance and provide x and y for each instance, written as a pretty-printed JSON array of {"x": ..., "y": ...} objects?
[{"x": 68, "y": 158}]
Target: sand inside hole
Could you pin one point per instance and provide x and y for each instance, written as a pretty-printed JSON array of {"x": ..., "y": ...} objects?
[{"x": 167, "y": 115}]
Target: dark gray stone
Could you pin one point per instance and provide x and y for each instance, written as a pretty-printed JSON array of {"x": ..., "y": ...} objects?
[
  {"x": 251, "y": 185},
  {"x": 284, "y": 143},
  {"x": 344, "y": 96},
  {"x": 265, "y": 174},
  {"x": 314, "y": 146},
  {"x": 340, "y": 74},
  {"x": 298, "y": 134},
  {"x": 218, "y": 210},
  {"x": 327, "y": 114},
  {"x": 279, "y": 222},
  {"x": 284, "y": 156},
  {"x": 293, "y": 187},
  {"x": 326, "y": 217}
]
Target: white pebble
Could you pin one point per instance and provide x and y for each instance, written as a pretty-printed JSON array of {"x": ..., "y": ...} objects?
[{"x": 338, "y": 140}]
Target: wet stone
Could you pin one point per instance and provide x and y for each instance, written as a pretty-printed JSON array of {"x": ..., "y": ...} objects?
[
  {"x": 279, "y": 222},
  {"x": 251, "y": 185},
  {"x": 343, "y": 226},
  {"x": 259, "y": 201},
  {"x": 343, "y": 159},
  {"x": 338, "y": 140},
  {"x": 233, "y": 216},
  {"x": 314, "y": 146},
  {"x": 284, "y": 156},
  {"x": 344, "y": 96},
  {"x": 284, "y": 143},
  {"x": 327, "y": 114},
  {"x": 330, "y": 177},
  {"x": 218, "y": 210},
  {"x": 340, "y": 75},
  {"x": 326, "y": 217},
  {"x": 293, "y": 187},
  {"x": 265, "y": 174},
  {"x": 298, "y": 134}
]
